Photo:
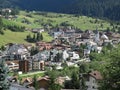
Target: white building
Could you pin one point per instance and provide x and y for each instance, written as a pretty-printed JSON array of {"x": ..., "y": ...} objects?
[
  {"x": 65, "y": 55},
  {"x": 16, "y": 52},
  {"x": 75, "y": 56}
]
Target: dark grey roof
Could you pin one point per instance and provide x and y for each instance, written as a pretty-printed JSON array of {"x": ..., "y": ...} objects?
[{"x": 19, "y": 87}]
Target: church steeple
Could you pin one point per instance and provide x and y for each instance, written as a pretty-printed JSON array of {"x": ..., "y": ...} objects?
[{"x": 97, "y": 36}]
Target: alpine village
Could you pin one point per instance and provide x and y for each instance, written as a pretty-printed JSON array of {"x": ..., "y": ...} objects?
[{"x": 64, "y": 45}]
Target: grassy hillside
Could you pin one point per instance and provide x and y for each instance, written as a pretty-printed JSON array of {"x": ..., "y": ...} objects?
[
  {"x": 13, "y": 37},
  {"x": 38, "y": 20},
  {"x": 19, "y": 37},
  {"x": 54, "y": 19}
]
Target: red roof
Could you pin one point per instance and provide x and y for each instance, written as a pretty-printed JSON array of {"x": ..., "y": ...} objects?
[{"x": 96, "y": 74}]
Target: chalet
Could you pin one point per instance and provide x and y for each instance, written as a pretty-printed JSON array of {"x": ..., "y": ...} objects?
[
  {"x": 16, "y": 52},
  {"x": 43, "y": 82},
  {"x": 38, "y": 65},
  {"x": 26, "y": 81},
  {"x": 43, "y": 55},
  {"x": 6, "y": 10},
  {"x": 94, "y": 78},
  {"x": 13, "y": 65},
  {"x": 61, "y": 80},
  {"x": 24, "y": 66}
]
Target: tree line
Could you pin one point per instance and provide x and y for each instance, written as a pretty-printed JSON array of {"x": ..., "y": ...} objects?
[
  {"x": 35, "y": 38},
  {"x": 95, "y": 8}
]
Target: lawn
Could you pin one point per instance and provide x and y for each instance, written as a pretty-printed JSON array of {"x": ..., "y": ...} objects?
[
  {"x": 32, "y": 74},
  {"x": 13, "y": 37},
  {"x": 46, "y": 37}
]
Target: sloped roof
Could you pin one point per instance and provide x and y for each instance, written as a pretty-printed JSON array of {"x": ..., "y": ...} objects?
[
  {"x": 104, "y": 37},
  {"x": 46, "y": 78},
  {"x": 28, "y": 79},
  {"x": 96, "y": 74}
]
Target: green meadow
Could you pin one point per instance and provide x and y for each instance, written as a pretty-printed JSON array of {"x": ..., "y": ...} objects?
[
  {"x": 55, "y": 19},
  {"x": 19, "y": 37}
]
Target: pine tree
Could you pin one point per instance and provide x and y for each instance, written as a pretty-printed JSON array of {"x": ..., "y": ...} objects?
[
  {"x": 4, "y": 85},
  {"x": 75, "y": 80},
  {"x": 28, "y": 38},
  {"x": 34, "y": 37},
  {"x": 82, "y": 69},
  {"x": 1, "y": 26},
  {"x": 35, "y": 83},
  {"x": 52, "y": 84},
  {"x": 38, "y": 38},
  {"x": 34, "y": 51},
  {"x": 2, "y": 48},
  {"x": 41, "y": 36}
]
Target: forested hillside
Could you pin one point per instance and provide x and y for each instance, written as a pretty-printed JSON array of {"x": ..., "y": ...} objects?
[
  {"x": 96, "y": 8},
  {"x": 99, "y": 8}
]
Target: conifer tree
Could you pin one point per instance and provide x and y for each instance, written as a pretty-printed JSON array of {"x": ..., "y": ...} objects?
[
  {"x": 38, "y": 38},
  {"x": 41, "y": 36},
  {"x": 35, "y": 83},
  {"x": 1, "y": 26},
  {"x": 4, "y": 85},
  {"x": 34, "y": 37}
]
